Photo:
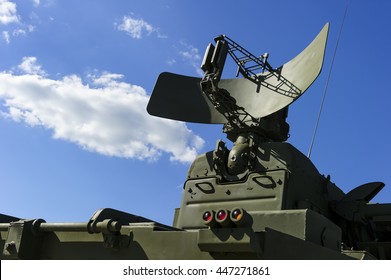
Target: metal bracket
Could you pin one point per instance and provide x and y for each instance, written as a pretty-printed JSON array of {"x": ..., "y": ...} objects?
[
  {"x": 116, "y": 219},
  {"x": 23, "y": 240},
  {"x": 110, "y": 221}
]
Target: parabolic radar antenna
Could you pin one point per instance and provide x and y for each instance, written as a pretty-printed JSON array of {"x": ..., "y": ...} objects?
[{"x": 240, "y": 103}]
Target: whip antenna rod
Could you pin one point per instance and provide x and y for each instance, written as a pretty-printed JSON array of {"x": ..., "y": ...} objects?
[{"x": 327, "y": 83}]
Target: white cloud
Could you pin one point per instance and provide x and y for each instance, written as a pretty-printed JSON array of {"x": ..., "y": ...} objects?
[
  {"x": 6, "y": 36},
  {"x": 192, "y": 55},
  {"x": 161, "y": 36},
  {"x": 171, "y": 62},
  {"x": 23, "y": 31},
  {"x": 29, "y": 66},
  {"x": 108, "y": 116},
  {"x": 18, "y": 32},
  {"x": 36, "y": 3},
  {"x": 135, "y": 27},
  {"x": 8, "y": 12},
  {"x": 8, "y": 15}
]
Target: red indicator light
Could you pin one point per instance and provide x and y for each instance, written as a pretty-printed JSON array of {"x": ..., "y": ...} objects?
[
  {"x": 221, "y": 215},
  {"x": 207, "y": 217}
]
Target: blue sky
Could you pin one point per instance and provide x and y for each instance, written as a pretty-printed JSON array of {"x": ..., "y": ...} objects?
[{"x": 75, "y": 77}]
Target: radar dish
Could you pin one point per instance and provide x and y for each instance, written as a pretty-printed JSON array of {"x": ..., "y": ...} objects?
[{"x": 180, "y": 97}]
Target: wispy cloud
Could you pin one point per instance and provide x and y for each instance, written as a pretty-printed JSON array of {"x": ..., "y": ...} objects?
[
  {"x": 23, "y": 31},
  {"x": 107, "y": 116},
  {"x": 9, "y": 15},
  {"x": 36, "y": 2},
  {"x": 137, "y": 28},
  {"x": 171, "y": 62},
  {"x": 6, "y": 36},
  {"x": 30, "y": 66},
  {"x": 8, "y": 12},
  {"x": 192, "y": 55}
]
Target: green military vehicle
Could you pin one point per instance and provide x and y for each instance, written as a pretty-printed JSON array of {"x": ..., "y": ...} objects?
[{"x": 261, "y": 199}]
